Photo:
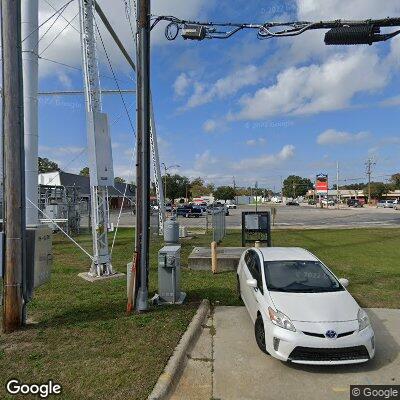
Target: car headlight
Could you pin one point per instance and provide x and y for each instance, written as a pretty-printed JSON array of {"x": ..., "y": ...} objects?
[
  {"x": 281, "y": 320},
  {"x": 363, "y": 319}
]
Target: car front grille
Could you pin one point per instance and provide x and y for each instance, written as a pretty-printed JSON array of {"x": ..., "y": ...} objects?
[
  {"x": 325, "y": 354},
  {"x": 321, "y": 335}
]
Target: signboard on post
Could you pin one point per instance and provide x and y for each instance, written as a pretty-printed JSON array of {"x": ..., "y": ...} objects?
[
  {"x": 321, "y": 184},
  {"x": 256, "y": 226}
]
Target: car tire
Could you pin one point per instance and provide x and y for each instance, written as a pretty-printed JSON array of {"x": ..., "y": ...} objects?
[{"x": 259, "y": 333}]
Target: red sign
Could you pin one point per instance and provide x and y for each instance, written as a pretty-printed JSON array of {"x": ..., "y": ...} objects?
[{"x": 321, "y": 183}]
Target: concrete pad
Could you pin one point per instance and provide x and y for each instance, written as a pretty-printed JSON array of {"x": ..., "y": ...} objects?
[
  {"x": 228, "y": 258},
  {"x": 89, "y": 278},
  {"x": 195, "y": 382},
  {"x": 242, "y": 371},
  {"x": 203, "y": 348}
]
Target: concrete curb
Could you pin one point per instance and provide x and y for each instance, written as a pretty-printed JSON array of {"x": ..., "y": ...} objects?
[{"x": 176, "y": 363}]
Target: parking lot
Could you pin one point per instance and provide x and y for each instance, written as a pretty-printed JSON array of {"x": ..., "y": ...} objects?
[
  {"x": 293, "y": 217},
  {"x": 226, "y": 364}
]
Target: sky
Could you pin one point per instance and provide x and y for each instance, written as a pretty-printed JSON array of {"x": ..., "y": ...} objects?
[{"x": 256, "y": 110}]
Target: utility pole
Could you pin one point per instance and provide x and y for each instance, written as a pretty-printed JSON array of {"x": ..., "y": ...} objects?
[
  {"x": 143, "y": 153},
  {"x": 338, "y": 199},
  {"x": 14, "y": 182},
  {"x": 29, "y": 31},
  {"x": 369, "y": 164}
]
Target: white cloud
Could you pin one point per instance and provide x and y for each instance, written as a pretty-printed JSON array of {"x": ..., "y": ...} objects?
[
  {"x": 66, "y": 48},
  {"x": 269, "y": 160},
  {"x": 204, "y": 160},
  {"x": 181, "y": 84},
  {"x": 355, "y": 9},
  {"x": 316, "y": 88},
  {"x": 224, "y": 87},
  {"x": 256, "y": 142},
  {"x": 210, "y": 125},
  {"x": 333, "y": 137}
]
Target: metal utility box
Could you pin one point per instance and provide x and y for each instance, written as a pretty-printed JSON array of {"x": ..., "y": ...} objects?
[
  {"x": 39, "y": 257},
  {"x": 169, "y": 275},
  {"x": 100, "y": 152}
]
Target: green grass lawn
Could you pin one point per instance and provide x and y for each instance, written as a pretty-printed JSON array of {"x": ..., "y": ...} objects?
[{"x": 83, "y": 340}]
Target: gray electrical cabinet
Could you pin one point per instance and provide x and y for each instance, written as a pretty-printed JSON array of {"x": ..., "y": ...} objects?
[
  {"x": 100, "y": 151},
  {"x": 169, "y": 275},
  {"x": 39, "y": 257}
]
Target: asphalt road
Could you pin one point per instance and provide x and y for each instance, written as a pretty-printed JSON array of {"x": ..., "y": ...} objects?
[{"x": 294, "y": 217}]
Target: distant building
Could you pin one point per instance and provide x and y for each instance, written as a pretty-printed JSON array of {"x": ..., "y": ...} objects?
[
  {"x": 346, "y": 194},
  {"x": 82, "y": 183}
]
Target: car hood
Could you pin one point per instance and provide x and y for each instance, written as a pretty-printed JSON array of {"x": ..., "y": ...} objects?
[{"x": 316, "y": 307}]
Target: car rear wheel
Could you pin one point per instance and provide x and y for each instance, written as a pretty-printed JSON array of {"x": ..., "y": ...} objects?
[{"x": 259, "y": 333}]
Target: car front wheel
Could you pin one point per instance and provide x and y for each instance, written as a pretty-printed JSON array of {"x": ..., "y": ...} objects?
[{"x": 259, "y": 333}]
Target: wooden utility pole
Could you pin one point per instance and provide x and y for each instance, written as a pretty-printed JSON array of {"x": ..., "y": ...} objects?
[
  {"x": 143, "y": 153},
  {"x": 13, "y": 150}
]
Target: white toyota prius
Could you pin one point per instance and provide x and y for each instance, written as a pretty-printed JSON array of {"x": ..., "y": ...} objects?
[{"x": 301, "y": 312}]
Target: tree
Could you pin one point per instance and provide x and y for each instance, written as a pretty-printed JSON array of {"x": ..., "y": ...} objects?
[
  {"x": 84, "y": 171},
  {"x": 295, "y": 186},
  {"x": 354, "y": 186},
  {"x": 395, "y": 180},
  {"x": 198, "y": 188},
  {"x": 46, "y": 165},
  {"x": 225, "y": 193},
  {"x": 378, "y": 189},
  {"x": 177, "y": 186},
  {"x": 119, "y": 180}
]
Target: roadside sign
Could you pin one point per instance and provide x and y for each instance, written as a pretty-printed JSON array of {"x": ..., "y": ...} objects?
[{"x": 321, "y": 184}]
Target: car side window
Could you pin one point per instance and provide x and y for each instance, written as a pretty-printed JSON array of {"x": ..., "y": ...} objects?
[
  {"x": 248, "y": 259},
  {"x": 254, "y": 265}
]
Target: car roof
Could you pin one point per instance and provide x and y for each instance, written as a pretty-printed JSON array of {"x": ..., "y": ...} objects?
[{"x": 286, "y": 254}]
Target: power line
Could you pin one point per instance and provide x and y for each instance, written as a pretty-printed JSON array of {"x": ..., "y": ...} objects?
[
  {"x": 72, "y": 67},
  {"x": 48, "y": 19},
  {"x": 60, "y": 33},
  {"x": 76, "y": 29},
  {"x": 342, "y": 32},
  {"x": 52, "y": 24},
  {"x": 115, "y": 78}
]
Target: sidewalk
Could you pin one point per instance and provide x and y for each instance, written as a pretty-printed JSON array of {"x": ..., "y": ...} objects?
[{"x": 226, "y": 364}]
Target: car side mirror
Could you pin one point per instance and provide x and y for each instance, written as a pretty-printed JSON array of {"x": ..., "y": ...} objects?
[
  {"x": 344, "y": 282},
  {"x": 252, "y": 283}
]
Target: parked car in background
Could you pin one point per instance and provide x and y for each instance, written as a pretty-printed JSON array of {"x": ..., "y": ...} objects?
[
  {"x": 386, "y": 204},
  {"x": 292, "y": 203},
  {"x": 168, "y": 207},
  {"x": 328, "y": 202},
  {"x": 230, "y": 205},
  {"x": 354, "y": 203},
  {"x": 276, "y": 199},
  {"x": 189, "y": 211},
  {"x": 302, "y": 313}
]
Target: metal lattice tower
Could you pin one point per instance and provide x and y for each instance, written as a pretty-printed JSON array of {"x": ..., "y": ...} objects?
[
  {"x": 157, "y": 172},
  {"x": 99, "y": 201}
]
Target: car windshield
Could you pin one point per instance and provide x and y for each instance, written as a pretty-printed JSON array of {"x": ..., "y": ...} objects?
[{"x": 300, "y": 277}]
